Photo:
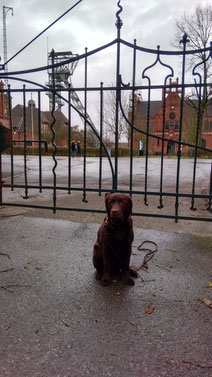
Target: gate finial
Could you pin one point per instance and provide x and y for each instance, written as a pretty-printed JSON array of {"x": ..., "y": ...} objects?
[
  {"x": 185, "y": 39},
  {"x": 119, "y": 22}
]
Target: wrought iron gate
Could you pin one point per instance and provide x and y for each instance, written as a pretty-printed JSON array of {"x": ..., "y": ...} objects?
[{"x": 159, "y": 59}]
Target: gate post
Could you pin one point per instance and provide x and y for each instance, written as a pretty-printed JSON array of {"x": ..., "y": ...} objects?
[
  {"x": 5, "y": 142},
  {"x": 0, "y": 182}
]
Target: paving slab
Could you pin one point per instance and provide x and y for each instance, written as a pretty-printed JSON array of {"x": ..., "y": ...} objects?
[{"x": 57, "y": 320}]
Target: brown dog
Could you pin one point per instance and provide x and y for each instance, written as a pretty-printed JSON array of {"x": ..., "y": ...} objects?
[{"x": 113, "y": 248}]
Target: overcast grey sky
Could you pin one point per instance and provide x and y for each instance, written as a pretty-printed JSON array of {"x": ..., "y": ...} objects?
[{"x": 90, "y": 24}]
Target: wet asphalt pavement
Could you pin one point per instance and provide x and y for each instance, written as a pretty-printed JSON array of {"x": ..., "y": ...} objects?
[
  {"x": 57, "y": 320},
  {"x": 92, "y": 172}
]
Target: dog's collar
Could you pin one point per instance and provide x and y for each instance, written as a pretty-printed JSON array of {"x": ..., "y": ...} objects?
[{"x": 108, "y": 220}]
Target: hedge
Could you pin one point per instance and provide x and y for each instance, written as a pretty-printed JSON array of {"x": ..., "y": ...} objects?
[
  {"x": 63, "y": 151},
  {"x": 95, "y": 152}
]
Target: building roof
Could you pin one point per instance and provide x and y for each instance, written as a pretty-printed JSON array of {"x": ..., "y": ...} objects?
[
  {"x": 142, "y": 107},
  {"x": 31, "y": 114}
]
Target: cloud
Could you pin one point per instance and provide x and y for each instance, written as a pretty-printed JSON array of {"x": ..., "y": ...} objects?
[{"x": 91, "y": 24}]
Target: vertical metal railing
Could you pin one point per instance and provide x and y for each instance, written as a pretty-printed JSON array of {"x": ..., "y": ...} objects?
[
  {"x": 147, "y": 134},
  {"x": 118, "y": 94},
  {"x": 184, "y": 41},
  {"x": 69, "y": 139},
  {"x": 101, "y": 135},
  {"x": 132, "y": 117},
  {"x": 11, "y": 128},
  {"x": 39, "y": 141},
  {"x": 85, "y": 125},
  {"x": 25, "y": 143}
]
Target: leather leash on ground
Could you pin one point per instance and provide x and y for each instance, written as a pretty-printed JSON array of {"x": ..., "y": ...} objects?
[{"x": 148, "y": 256}]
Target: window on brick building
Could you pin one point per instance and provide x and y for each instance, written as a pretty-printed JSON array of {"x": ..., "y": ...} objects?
[
  {"x": 206, "y": 125},
  {"x": 172, "y": 124},
  {"x": 167, "y": 125},
  {"x": 203, "y": 143},
  {"x": 176, "y": 125}
]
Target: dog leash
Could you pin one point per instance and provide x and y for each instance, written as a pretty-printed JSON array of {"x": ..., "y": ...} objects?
[{"x": 148, "y": 256}]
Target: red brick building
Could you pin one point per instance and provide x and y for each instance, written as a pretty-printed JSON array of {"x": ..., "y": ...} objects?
[
  {"x": 4, "y": 116},
  {"x": 171, "y": 124},
  {"x": 31, "y": 117},
  {"x": 32, "y": 125}
]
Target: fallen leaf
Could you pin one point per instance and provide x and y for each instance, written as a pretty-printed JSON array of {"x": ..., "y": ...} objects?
[
  {"x": 149, "y": 310},
  {"x": 38, "y": 268},
  {"x": 115, "y": 281},
  {"x": 210, "y": 284},
  {"x": 118, "y": 293},
  {"x": 173, "y": 250},
  {"x": 29, "y": 262},
  {"x": 207, "y": 302}
]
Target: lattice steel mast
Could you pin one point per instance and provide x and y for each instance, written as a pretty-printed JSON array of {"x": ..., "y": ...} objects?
[
  {"x": 62, "y": 77},
  {"x": 5, "y": 11}
]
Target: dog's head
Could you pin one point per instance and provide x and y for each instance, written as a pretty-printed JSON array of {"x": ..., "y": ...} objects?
[{"x": 118, "y": 207}]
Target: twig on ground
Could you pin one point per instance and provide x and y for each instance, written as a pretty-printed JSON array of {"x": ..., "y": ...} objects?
[
  {"x": 6, "y": 255},
  {"x": 9, "y": 269},
  {"x": 8, "y": 327},
  {"x": 8, "y": 286},
  {"x": 131, "y": 323},
  {"x": 145, "y": 281},
  {"x": 65, "y": 323},
  {"x": 197, "y": 364},
  {"x": 165, "y": 268}
]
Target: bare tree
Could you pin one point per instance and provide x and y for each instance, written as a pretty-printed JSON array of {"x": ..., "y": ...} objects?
[
  {"x": 198, "y": 28},
  {"x": 190, "y": 122},
  {"x": 110, "y": 115}
]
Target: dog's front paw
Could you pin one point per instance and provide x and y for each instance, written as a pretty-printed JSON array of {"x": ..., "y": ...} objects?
[
  {"x": 98, "y": 275},
  {"x": 133, "y": 272},
  {"x": 129, "y": 280},
  {"x": 105, "y": 282}
]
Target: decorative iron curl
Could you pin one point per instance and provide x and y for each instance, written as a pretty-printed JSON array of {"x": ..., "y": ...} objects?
[
  {"x": 54, "y": 157},
  {"x": 119, "y": 22},
  {"x": 53, "y": 141},
  {"x": 53, "y": 135}
]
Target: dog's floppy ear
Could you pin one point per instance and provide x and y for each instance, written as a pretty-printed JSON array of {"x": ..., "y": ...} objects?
[
  {"x": 106, "y": 201},
  {"x": 130, "y": 204},
  {"x": 108, "y": 193}
]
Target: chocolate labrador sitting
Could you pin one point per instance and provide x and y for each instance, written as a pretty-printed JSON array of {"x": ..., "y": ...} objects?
[{"x": 113, "y": 248}]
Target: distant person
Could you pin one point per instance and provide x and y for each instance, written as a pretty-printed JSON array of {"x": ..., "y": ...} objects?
[
  {"x": 73, "y": 148},
  {"x": 78, "y": 149}
]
